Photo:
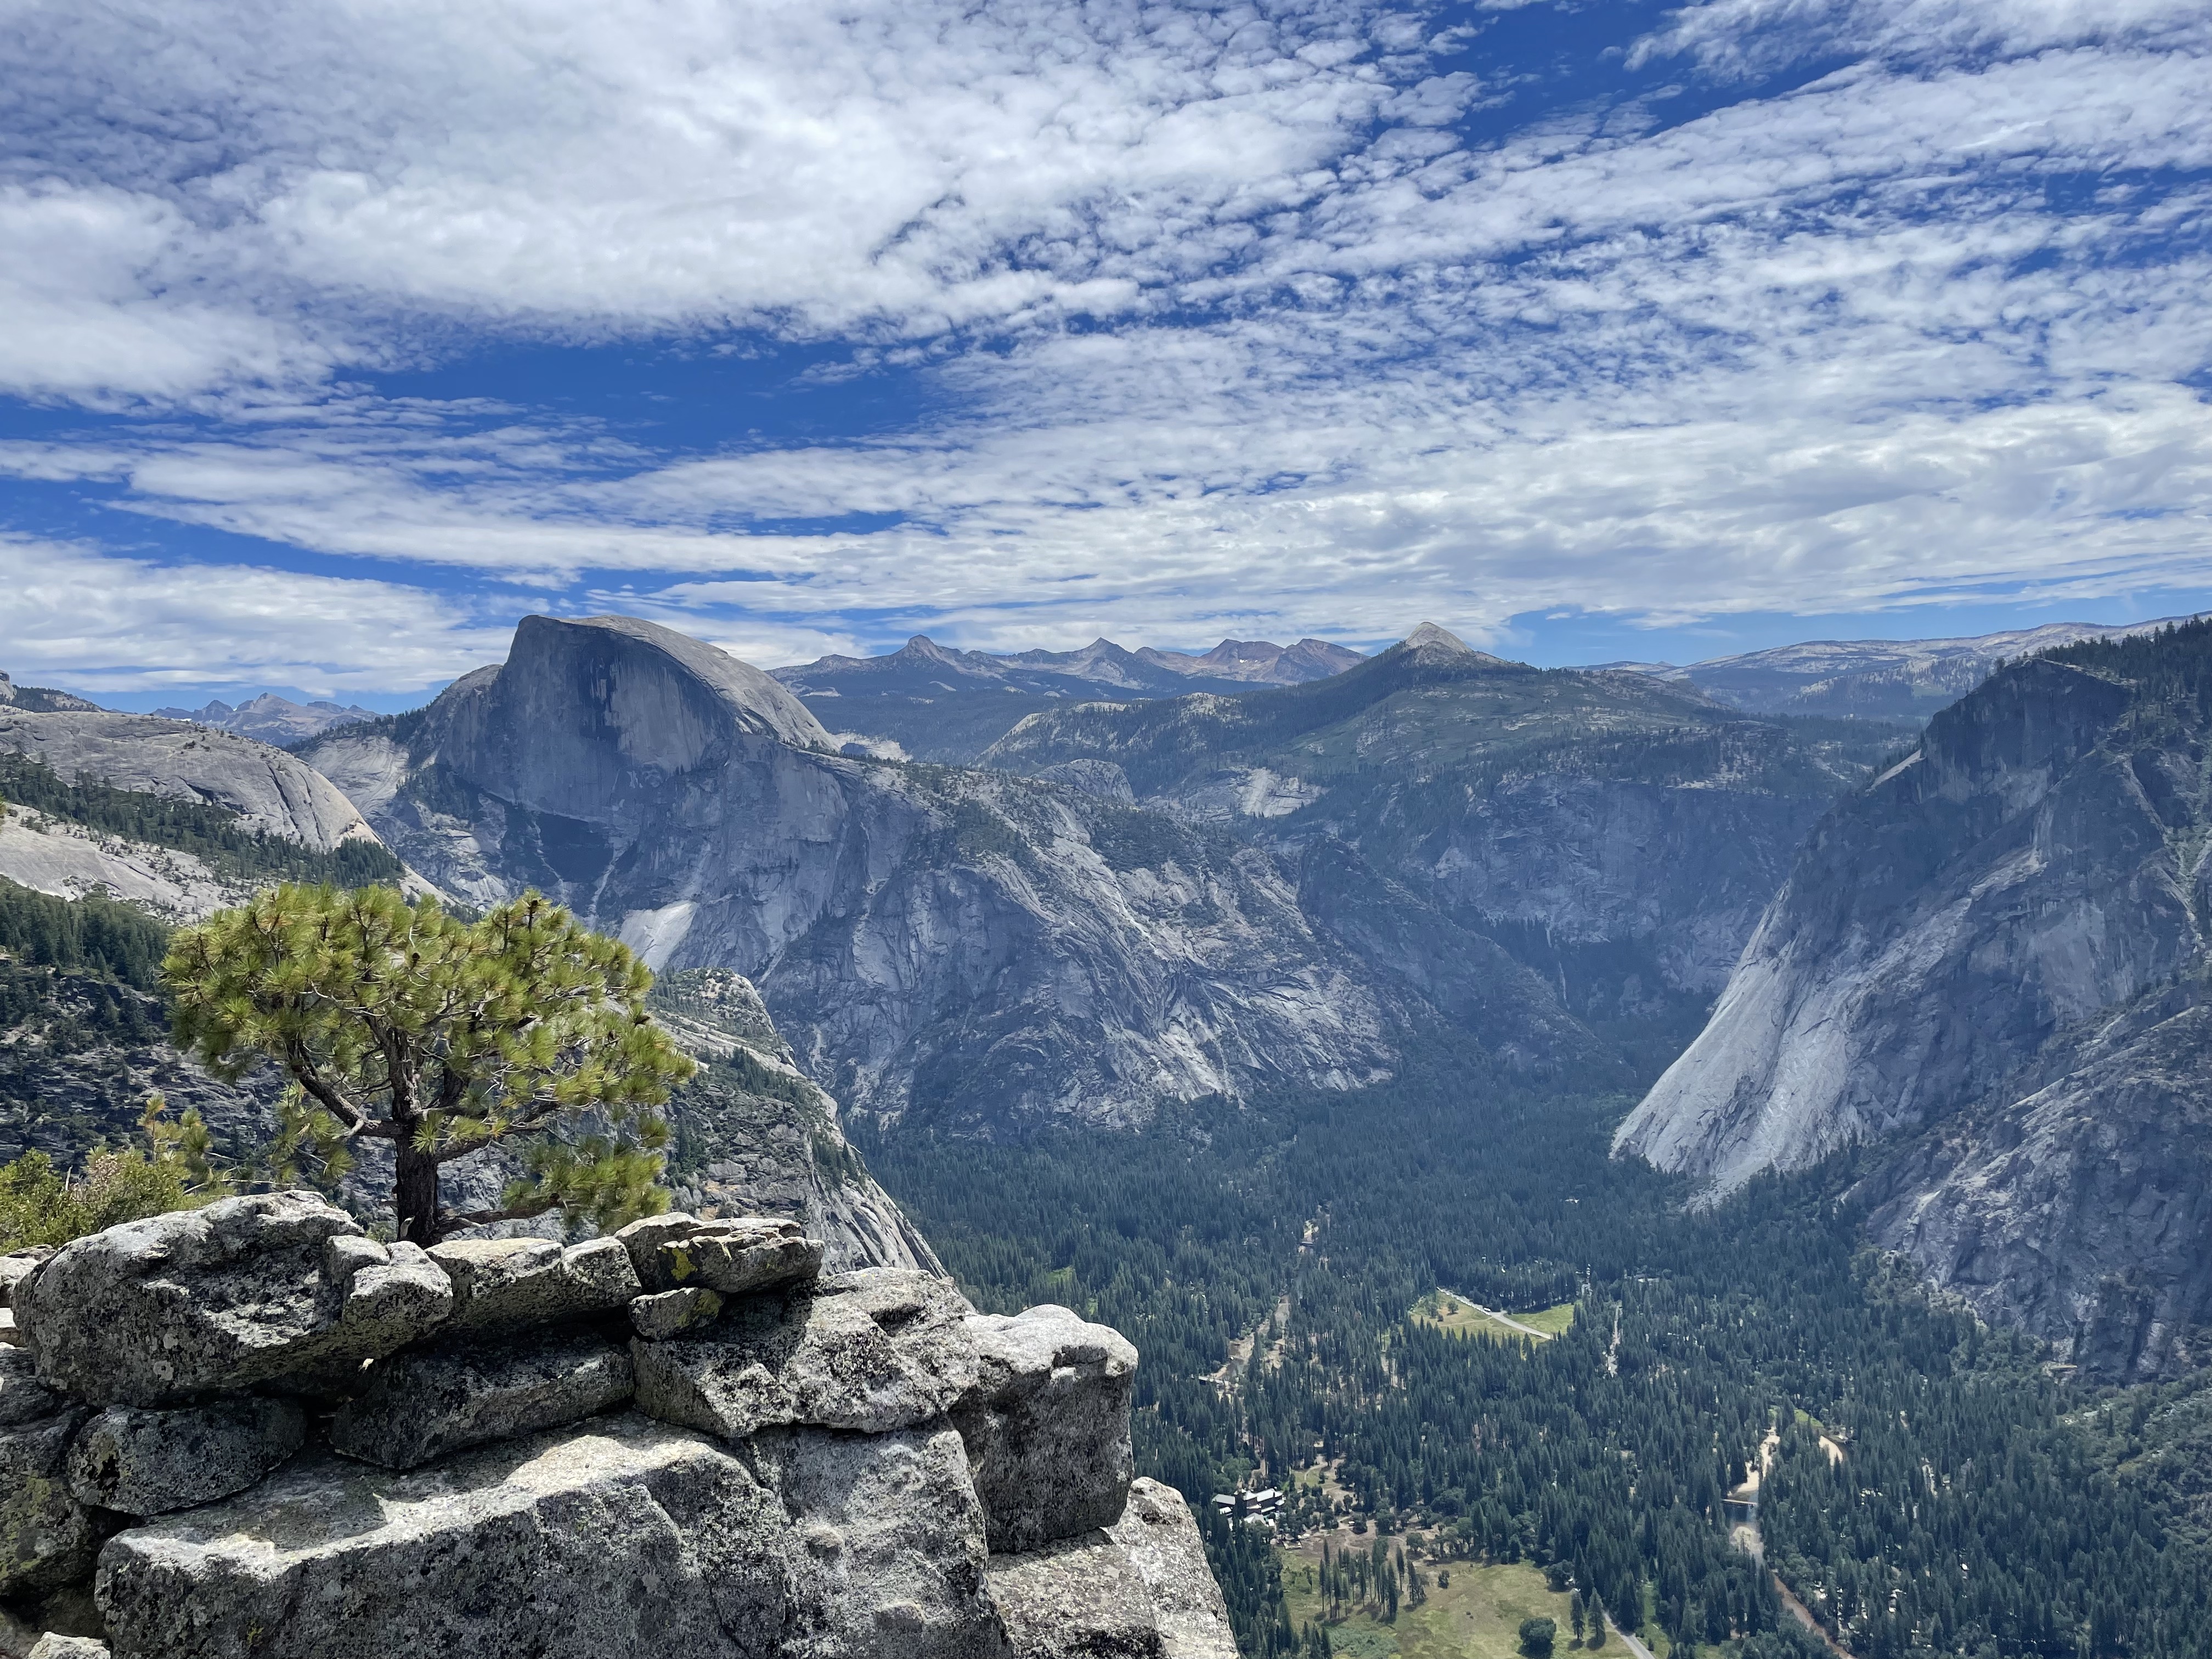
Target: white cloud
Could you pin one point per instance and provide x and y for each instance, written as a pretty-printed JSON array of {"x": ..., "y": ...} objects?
[
  {"x": 1748, "y": 34},
  {"x": 1927, "y": 325},
  {"x": 104, "y": 623}
]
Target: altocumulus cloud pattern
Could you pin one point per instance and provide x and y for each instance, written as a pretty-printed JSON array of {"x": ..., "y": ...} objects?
[{"x": 341, "y": 334}]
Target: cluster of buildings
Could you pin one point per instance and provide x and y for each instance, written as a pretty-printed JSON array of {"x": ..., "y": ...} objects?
[{"x": 1260, "y": 1507}]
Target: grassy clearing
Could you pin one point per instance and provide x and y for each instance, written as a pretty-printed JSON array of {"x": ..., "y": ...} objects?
[
  {"x": 1477, "y": 1616},
  {"x": 1450, "y": 1312}
]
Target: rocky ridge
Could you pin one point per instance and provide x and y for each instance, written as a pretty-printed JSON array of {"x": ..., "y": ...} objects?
[
  {"x": 43, "y": 700},
  {"x": 253, "y": 1428},
  {"x": 1617, "y": 835},
  {"x": 1986, "y": 964},
  {"x": 926, "y": 703},
  {"x": 987, "y": 950},
  {"x": 1877, "y": 679},
  {"x": 270, "y": 717}
]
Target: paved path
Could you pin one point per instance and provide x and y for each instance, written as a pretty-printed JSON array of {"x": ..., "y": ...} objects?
[{"x": 1506, "y": 1320}]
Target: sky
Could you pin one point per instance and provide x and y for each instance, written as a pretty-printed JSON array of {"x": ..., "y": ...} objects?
[{"x": 337, "y": 335}]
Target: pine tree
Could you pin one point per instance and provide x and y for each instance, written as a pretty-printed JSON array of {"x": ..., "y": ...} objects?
[{"x": 401, "y": 1022}]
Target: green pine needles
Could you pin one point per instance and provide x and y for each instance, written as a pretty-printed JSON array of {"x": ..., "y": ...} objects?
[{"x": 400, "y": 1022}]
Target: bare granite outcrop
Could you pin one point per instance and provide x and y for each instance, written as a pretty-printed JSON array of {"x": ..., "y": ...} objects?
[{"x": 252, "y": 1429}]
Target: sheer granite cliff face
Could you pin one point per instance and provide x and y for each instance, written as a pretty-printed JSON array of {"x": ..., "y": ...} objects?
[
  {"x": 1991, "y": 947},
  {"x": 1616, "y": 833},
  {"x": 984, "y": 949},
  {"x": 754, "y": 1136}
]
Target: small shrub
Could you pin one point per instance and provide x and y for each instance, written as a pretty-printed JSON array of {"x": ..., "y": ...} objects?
[{"x": 40, "y": 1205}]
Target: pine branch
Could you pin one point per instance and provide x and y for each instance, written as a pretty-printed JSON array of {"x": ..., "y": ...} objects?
[{"x": 448, "y": 1220}]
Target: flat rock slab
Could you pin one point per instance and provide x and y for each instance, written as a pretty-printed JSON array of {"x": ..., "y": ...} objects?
[
  {"x": 628, "y": 1538},
  {"x": 734, "y": 1256},
  {"x": 505, "y": 1284},
  {"x": 1162, "y": 1541},
  {"x": 241, "y": 1292},
  {"x": 465, "y": 1391},
  {"x": 1048, "y": 1424},
  {"x": 148, "y": 1462},
  {"x": 671, "y": 1313},
  {"x": 47, "y": 1539},
  {"x": 875, "y": 1350}
]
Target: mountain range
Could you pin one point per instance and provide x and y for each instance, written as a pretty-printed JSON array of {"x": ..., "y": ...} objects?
[
  {"x": 925, "y": 703},
  {"x": 1879, "y": 679},
  {"x": 271, "y": 718},
  {"x": 1964, "y": 956},
  {"x": 1987, "y": 970}
]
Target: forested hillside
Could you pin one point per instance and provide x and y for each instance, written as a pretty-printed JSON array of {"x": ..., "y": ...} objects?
[{"x": 1975, "y": 1510}]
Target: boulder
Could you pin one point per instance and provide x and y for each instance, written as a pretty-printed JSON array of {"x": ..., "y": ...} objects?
[
  {"x": 11, "y": 1335},
  {"x": 1162, "y": 1541},
  {"x": 632, "y": 1538},
  {"x": 1138, "y": 1589},
  {"x": 886, "y": 1553},
  {"x": 670, "y": 1313},
  {"x": 874, "y": 1351},
  {"x": 15, "y": 1267},
  {"x": 462, "y": 1391},
  {"x": 628, "y": 1537},
  {"x": 734, "y": 1256},
  {"x": 149, "y": 1462},
  {"x": 52, "y": 1646},
  {"x": 1048, "y": 1424},
  {"x": 243, "y": 1291},
  {"x": 505, "y": 1284},
  {"x": 1080, "y": 1598},
  {"x": 47, "y": 1539},
  {"x": 23, "y": 1397}
]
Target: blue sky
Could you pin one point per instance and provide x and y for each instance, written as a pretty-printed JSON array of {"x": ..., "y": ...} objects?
[{"x": 339, "y": 336}]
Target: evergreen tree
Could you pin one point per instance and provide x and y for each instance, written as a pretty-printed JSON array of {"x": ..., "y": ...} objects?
[{"x": 402, "y": 1023}]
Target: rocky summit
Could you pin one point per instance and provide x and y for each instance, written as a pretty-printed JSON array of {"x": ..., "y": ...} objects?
[{"x": 252, "y": 1429}]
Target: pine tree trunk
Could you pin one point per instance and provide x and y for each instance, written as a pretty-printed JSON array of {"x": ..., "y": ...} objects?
[{"x": 417, "y": 1197}]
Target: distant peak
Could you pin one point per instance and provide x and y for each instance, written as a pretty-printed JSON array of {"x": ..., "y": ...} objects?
[{"x": 1430, "y": 637}]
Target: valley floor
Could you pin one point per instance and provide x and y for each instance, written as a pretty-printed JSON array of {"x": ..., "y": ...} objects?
[{"x": 1477, "y": 1616}]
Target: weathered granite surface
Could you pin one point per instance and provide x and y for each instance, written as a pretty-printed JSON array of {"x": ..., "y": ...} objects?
[
  {"x": 1047, "y": 1425},
  {"x": 148, "y": 1462},
  {"x": 243, "y": 1291},
  {"x": 875, "y": 1350},
  {"x": 484, "y": 1489},
  {"x": 467, "y": 1391}
]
